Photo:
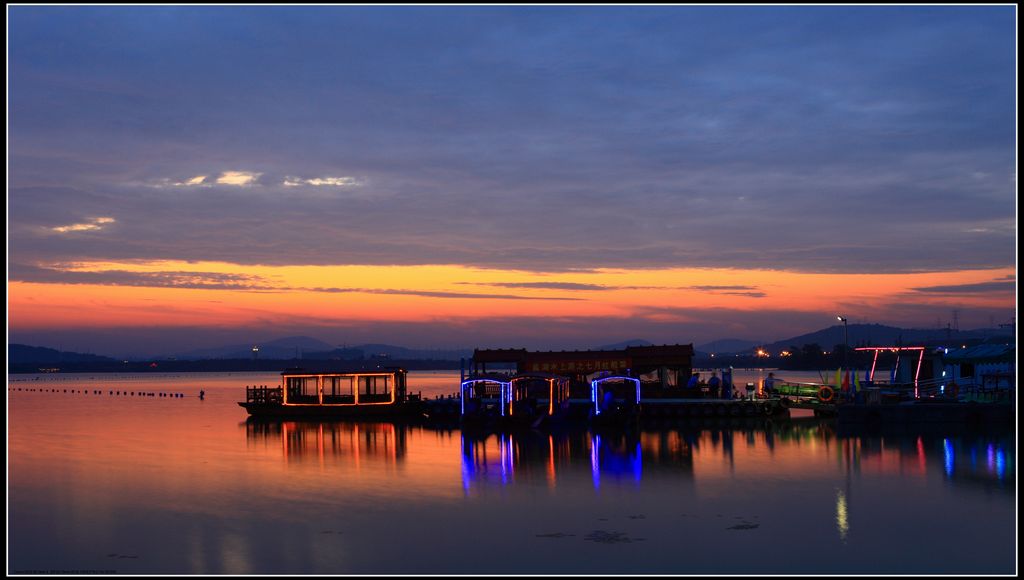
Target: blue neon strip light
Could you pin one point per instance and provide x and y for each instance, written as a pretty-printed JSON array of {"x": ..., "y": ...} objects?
[
  {"x": 506, "y": 388},
  {"x": 593, "y": 390}
]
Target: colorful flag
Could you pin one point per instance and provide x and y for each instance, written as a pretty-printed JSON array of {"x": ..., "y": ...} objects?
[
  {"x": 846, "y": 382},
  {"x": 856, "y": 383}
]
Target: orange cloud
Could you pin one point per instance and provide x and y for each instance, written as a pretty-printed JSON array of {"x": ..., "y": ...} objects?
[{"x": 107, "y": 294}]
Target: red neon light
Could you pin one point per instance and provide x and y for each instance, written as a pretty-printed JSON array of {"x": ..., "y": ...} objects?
[
  {"x": 917, "y": 373},
  {"x": 890, "y": 348}
]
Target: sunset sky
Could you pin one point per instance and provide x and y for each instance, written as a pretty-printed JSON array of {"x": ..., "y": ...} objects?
[{"x": 182, "y": 177}]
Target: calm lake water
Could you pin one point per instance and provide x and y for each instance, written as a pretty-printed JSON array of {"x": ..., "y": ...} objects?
[{"x": 175, "y": 485}]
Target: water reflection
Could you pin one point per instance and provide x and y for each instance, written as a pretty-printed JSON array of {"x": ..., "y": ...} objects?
[
  {"x": 305, "y": 440},
  {"x": 842, "y": 520},
  {"x": 507, "y": 458},
  {"x": 961, "y": 465},
  {"x": 630, "y": 457},
  {"x": 147, "y": 486}
]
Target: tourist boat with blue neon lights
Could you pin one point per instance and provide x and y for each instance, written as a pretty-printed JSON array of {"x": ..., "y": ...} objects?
[
  {"x": 616, "y": 401},
  {"x": 379, "y": 394},
  {"x": 501, "y": 401}
]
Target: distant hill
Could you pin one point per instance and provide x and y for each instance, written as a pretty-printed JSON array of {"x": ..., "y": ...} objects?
[
  {"x": 24, "y": 354},
  {"x": 281, "y": 348},
  {"x": 625, "y": 343},
  {"x": 881, "y": 335},
  {"x": 727, "y": 346},
  {"x": 399, "y": 352},
  {"x": 308, "y": 348}
]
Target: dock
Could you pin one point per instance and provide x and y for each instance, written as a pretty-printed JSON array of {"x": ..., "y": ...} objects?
[{"x": 446, "y": 410}]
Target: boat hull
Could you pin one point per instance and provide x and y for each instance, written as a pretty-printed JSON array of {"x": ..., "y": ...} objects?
[{"x": 407, "y": 410}]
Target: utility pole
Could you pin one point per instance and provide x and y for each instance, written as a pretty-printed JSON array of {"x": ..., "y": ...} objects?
[{"x": 846, "y": 340}]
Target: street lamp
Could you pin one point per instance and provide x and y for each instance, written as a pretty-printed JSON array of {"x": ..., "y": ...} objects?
[{"x": 846, "y": 339}]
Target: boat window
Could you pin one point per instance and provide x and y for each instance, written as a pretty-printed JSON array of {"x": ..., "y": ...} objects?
[
  {"x": 339, "y": 386},
  {"x": 309, "y": 387},
  {"x": 302, "y": 390},
  {"x": 489, "y": 389},
  {"x": 373, "y": 385}
]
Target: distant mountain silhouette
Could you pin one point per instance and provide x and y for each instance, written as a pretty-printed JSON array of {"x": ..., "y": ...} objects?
[
  {"x": 389, "y": 351},
  {"x": 727, "y": 346},
  {"x": 24, "y": 354},
  {"x": 881, "y": 335},
  {"x": 625, "y": 343},
  {"x": 305, "y": 347},
  {"x": 308, "y": 348},
  {"x": 282, "y": 348}
]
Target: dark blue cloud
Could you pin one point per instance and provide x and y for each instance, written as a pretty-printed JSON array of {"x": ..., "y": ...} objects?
[
  {"x": 829, "y": 138},
  {"x": 979, "y": 288}
]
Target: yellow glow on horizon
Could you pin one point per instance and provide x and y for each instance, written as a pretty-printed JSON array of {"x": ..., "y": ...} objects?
[{"x": 450, "y": 292}]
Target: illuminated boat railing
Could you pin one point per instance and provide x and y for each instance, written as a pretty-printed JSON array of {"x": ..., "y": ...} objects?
[
  {"x": 601, "y": 386},
  {"x": 478, "y": 393},
  {"x": 300, "y": 388},
  {"x": 264, "y": 395},
  {"x": 535, "y": 392}
]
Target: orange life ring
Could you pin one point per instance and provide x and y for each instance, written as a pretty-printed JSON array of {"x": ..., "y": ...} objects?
[{"x": 826, "y": 394}]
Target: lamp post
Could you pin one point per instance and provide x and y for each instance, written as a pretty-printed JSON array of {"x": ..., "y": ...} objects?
[{"x": 846, "y": 339}]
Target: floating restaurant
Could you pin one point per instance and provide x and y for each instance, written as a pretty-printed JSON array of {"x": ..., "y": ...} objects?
[
  {"x": 658, "y": 366},
  {"x": 602, "y": 388}
]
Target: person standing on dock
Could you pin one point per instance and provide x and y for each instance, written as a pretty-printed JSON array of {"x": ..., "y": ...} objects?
[
  {"x": 727, "y": 384},
  {"x": 693, "y": 385},
  {"x": 715, "y": 386},
  {"x": 769, "y": 385}
]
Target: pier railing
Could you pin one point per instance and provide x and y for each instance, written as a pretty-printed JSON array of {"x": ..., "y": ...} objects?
[
  {"x": 262, "y": 394},
  {"x": 939, "y": 389}
]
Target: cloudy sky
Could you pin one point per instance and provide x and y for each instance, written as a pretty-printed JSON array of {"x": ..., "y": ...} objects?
[{"x": 549, "y": 177}]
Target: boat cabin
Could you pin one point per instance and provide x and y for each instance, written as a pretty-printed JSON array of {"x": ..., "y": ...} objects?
[
  {"x": 530, "y": 394},
  {"x": 483, "y": 396},
  {"x": 537, "y": 394},
  {"x": 911, "y": 368},
  {"x": 303, "y": 388},
  {"x": 614, "y": 391}
]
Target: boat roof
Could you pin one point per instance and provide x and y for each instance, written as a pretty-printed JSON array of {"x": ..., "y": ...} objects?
[
  {"x": 511, "y": 355},
  {"x": 352, "y": 373},
  {"x": 981, "y": 353},
  {"x": 539, "y": 375},
  {"x": 616, "y": 377}
]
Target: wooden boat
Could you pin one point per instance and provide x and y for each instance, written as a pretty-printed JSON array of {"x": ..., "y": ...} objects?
[
  {"x": 510, "y": 401},
  {"x": 615, "y": 400},
  {"x": 356, "y": 395}
]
